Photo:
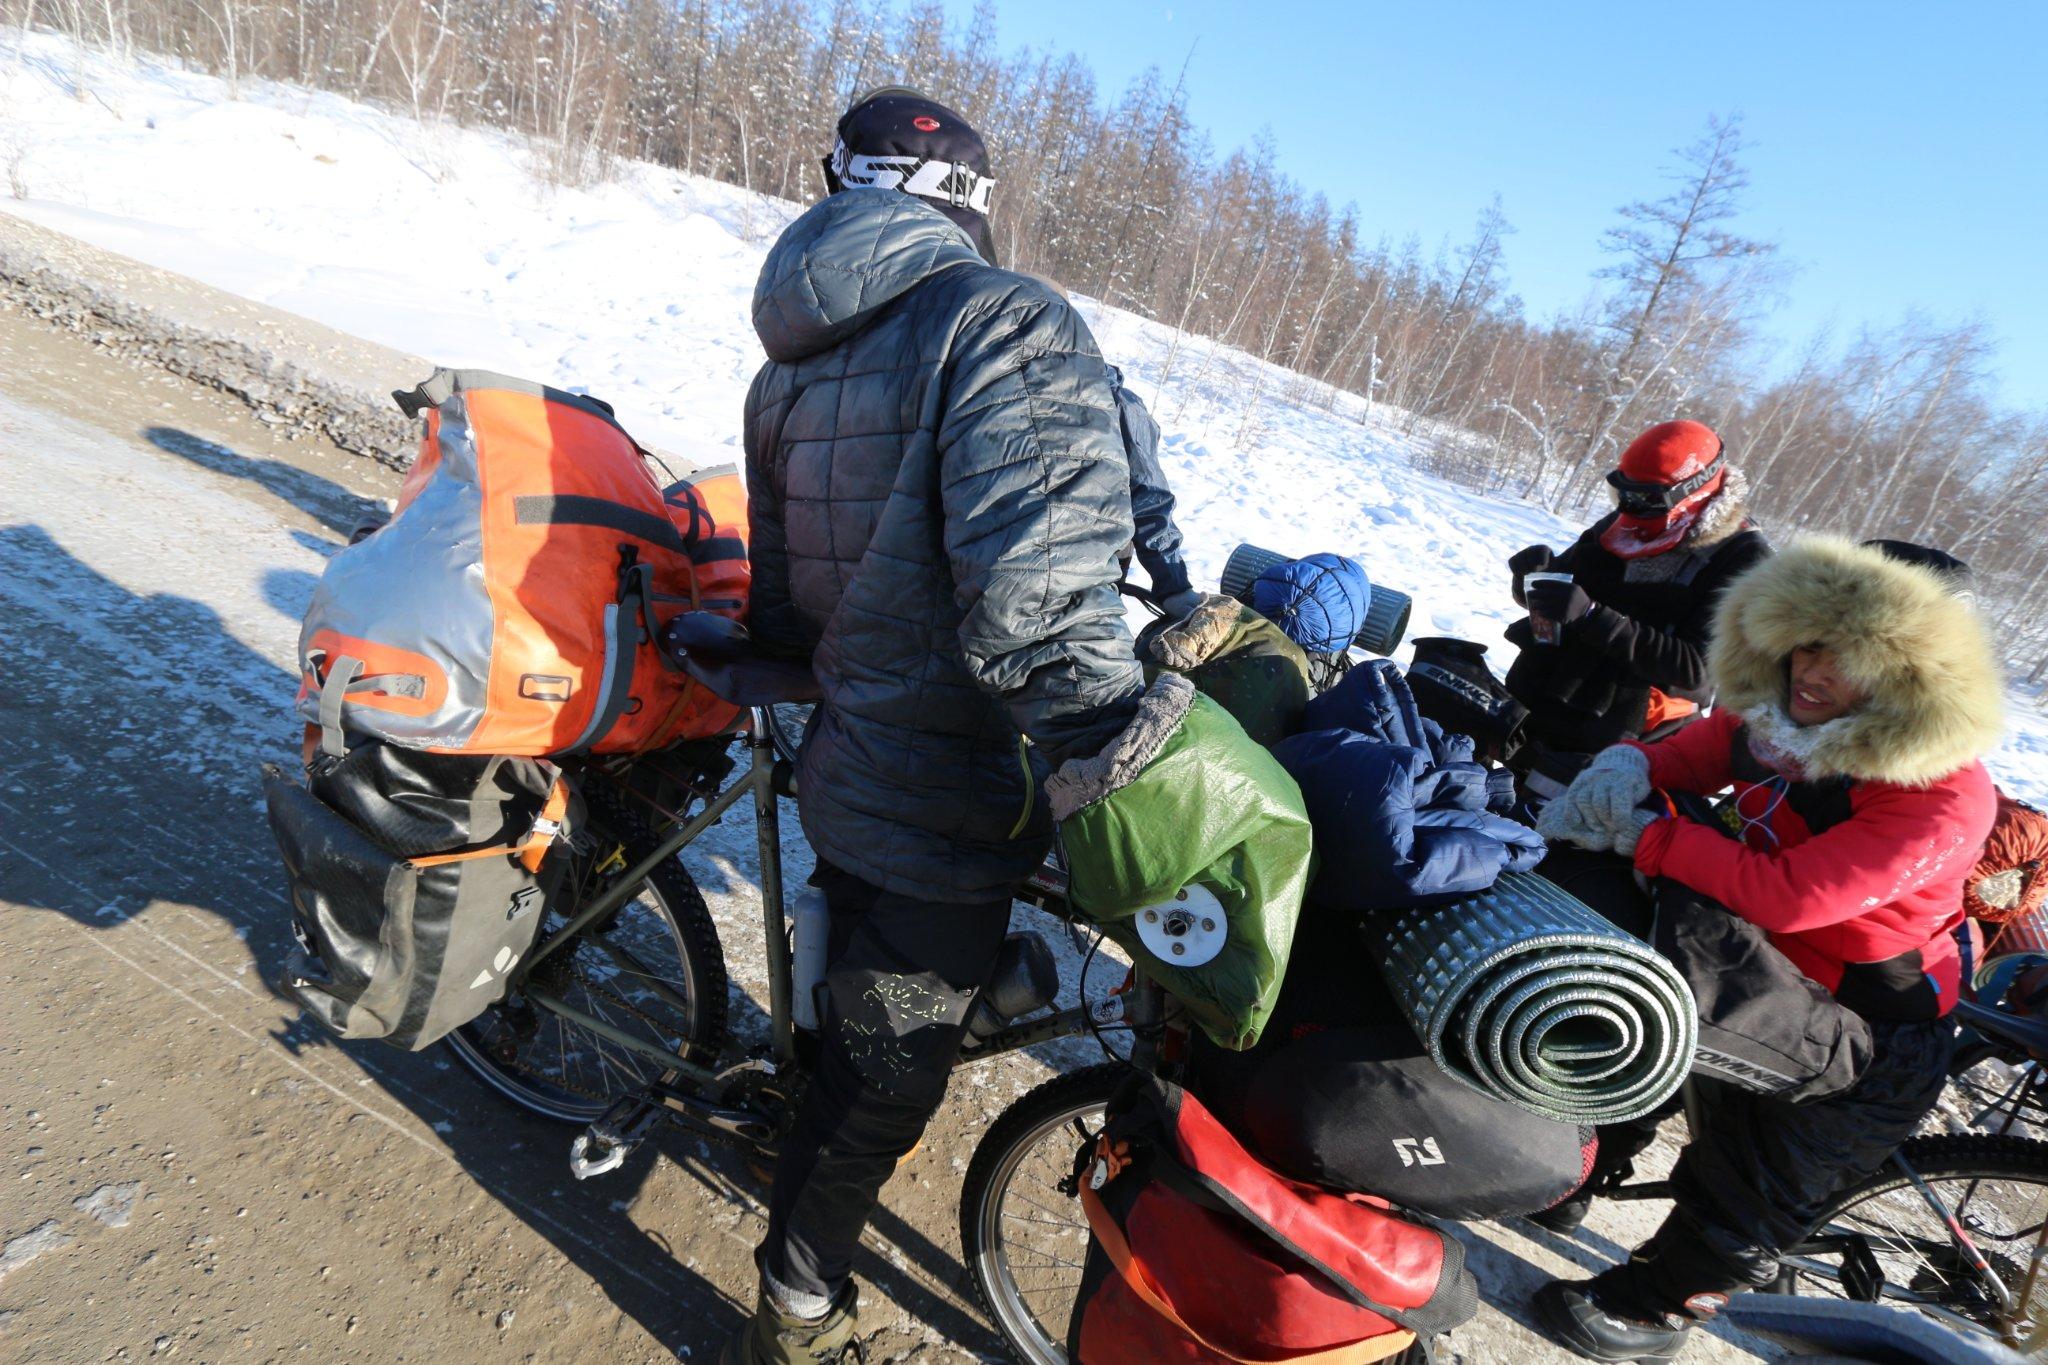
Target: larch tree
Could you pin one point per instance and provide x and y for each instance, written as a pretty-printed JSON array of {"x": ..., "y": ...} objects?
[{"x": 1677, "y": 272}]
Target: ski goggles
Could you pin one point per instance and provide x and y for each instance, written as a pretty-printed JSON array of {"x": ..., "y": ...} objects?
[
  {"x": 1639, "y": 498},
  {"x": 953, "y": 183}
]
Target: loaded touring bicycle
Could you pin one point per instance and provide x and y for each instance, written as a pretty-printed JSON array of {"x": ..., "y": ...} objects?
[
  {"x": 617, "y": 1023},
  {"x": 610, "y": 1013}
]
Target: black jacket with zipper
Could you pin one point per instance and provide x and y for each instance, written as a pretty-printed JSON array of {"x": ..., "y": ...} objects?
[{"x": 1649, "y": 626}]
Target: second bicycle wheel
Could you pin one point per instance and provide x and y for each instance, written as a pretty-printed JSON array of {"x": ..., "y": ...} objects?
[
  {"x": 1996, "y": 1188},
  {"x": 1024, "y": 1239}
]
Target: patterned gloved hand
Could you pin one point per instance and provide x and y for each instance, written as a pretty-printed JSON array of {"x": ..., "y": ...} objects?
[
  {"x": 1177, "y": 607},
  {"x": 1598, "y": 811},
  {"x": 1533, "y": 559}
]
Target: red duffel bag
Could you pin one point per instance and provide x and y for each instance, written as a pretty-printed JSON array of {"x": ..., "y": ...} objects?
[{"x": 1200, "y": 1254}]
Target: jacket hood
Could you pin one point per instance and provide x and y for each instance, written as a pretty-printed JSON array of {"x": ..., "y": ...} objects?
[
  {"x": 843, "y": 261},
  {"x": 1936, "y": 691},
  {"x": 1726, "y": 513}
]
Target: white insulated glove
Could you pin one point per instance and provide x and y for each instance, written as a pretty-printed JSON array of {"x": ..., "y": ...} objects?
[{"x": 1598, "y": 811}]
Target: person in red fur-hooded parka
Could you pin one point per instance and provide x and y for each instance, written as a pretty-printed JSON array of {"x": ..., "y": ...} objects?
[{"x": 1857, "y": 693}]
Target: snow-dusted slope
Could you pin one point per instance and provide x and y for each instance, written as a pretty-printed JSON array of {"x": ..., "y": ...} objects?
[{"x": 440, "y": 242}]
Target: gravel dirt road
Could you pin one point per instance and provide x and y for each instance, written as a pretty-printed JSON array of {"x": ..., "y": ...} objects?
[{"x": 192, "y": 1171}]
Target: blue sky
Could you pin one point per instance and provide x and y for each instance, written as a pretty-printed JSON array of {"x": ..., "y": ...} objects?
[{"x": 1900, "y": 151}]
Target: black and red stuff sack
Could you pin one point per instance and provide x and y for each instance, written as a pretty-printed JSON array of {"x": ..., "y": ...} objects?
[{"x": 1201, "y": 1254}]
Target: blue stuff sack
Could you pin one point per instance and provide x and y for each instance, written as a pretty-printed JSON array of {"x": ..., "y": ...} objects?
[{"x": 1320, "y": 601}]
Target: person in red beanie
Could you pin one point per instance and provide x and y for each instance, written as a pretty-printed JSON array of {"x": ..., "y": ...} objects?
[{"x": 1628, "y": 632}]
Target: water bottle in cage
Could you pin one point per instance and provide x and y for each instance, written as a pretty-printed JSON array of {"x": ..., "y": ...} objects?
[{"x": 811, "y": 926}]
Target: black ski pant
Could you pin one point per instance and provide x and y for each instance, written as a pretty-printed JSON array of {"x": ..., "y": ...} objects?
[
  {"x": 900, "y": 976},
  {"x": 1756, "y": 1177}
]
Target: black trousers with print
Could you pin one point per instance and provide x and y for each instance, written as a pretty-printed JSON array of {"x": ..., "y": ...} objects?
[
  {"x": 1755, "y": 1179},
  {"x": 900, "y": 976}
]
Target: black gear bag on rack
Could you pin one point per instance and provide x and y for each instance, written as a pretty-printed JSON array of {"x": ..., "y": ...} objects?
[
  {"x": 1454, "y": 687},
  {"x": 418, "y": 882}
]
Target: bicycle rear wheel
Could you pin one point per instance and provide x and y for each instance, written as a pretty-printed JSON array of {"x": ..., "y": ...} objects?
[
  {"x": 653, "y": 969},
  {"x": 1997, "y": 1189}
]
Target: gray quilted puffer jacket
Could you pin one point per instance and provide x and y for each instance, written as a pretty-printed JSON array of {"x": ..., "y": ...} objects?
[{"x": 938, "y": 492}]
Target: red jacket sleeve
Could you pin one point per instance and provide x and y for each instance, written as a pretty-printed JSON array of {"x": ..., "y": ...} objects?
[
  {"x": 1695, "y": 758},
  {"x": 1897, "y": 840}
]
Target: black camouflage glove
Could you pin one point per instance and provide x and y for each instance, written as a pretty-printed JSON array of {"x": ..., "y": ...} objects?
[{"x": 1535, "y": 559}]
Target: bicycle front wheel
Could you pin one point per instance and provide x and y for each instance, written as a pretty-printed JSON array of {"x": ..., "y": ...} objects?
[
  {"x": 1996, "y": 1188},
  {"x": 1023, "y": 1236}
]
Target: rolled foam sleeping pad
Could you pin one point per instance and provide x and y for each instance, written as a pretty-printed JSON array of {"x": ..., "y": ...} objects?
[
  {"x": 1386, "y": 616},
  {"x": 1524, "y": 992}
]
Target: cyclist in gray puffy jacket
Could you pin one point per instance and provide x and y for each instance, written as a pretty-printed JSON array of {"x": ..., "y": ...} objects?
[{"x": 938, "y": 492}]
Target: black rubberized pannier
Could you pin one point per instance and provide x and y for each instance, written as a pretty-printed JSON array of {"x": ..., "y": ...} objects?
[{"x": 418, "y": 882}]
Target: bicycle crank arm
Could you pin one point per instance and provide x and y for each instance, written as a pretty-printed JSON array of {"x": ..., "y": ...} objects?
[
  {"x": 605, "y": 1145},
  {"x": 692, "y": 1110}
]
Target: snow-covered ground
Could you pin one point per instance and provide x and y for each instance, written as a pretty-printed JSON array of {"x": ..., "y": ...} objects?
[{"x": 441, "y": 242}]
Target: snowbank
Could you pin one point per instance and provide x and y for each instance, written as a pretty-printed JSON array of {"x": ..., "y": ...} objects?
[{"x": 440, "y": 242}]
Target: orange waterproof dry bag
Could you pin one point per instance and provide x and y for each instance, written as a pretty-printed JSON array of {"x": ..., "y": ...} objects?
[{"x": 512, "y": 603}]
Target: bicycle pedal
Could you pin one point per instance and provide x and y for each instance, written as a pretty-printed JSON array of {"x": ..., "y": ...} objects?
[
  {"x": 588, "y": 1158},
  {"x": 606, "y": 1143},
  {"x": 1862, "y": 1276}
]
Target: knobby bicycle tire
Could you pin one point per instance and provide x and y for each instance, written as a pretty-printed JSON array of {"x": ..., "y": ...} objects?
[
  {"x": 1017, "y": 1129},
  {"x": 1959, "y": 1156}
]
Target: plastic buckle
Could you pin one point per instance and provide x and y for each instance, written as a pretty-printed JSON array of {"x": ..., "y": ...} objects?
[{"x": 959, "y": 186}]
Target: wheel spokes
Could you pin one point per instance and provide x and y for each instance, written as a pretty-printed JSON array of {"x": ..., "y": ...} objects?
[{"x": 1923, "y": 1261}]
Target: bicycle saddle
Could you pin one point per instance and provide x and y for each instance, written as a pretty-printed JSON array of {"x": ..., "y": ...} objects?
[{"x": 718, "y": 652}]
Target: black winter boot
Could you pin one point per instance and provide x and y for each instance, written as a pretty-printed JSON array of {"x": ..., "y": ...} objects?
[
  {"x": 1575, "y": 1317},
  {"x": 1565, "y": 1216}
]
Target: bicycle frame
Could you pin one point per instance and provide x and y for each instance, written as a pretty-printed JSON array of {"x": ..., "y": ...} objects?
[
  {"x": 765, "y": 781},
  {"x": 759, "y": 783}
]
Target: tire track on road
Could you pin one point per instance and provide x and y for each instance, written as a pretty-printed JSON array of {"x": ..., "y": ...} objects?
[{"x": 266, "y": 1045}]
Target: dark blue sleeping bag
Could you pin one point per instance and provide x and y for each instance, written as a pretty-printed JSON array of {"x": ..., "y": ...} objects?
[{"x": 1374, "y": 700}]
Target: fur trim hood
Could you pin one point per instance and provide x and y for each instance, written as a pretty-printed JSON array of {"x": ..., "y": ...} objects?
[
  {"x": 1724, "y": 513},
  {"x": 1936, "y": 691}
]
